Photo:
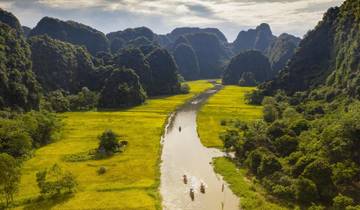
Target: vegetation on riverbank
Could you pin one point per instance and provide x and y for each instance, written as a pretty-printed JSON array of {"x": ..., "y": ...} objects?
[
  {"x": 131, "y": 178},
  {"x": 222, "y": 110},
  {"x": 251, "y": 195},
  {"x": 228, "y": 103}
]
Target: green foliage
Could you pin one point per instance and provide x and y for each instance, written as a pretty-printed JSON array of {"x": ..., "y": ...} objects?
[
  {"x": 72, "y": 32},
  {"x": 9, "y": 178},
  {"x": 165, "y": 79},
  {"x": 60, "y": 65},
  {"x": 254, "y": 98},
  {"x": 187, "y": 61},
  {"x": 109, "y": 142},
  {"x": 134, "y": 59},
  {"x": 341, "y": 202},
  {"x": 281, "y": 51},
  {"x": 185, "y": 88},
  {"x": 18, "y": 86},
  {"x": 327, "y": 56},
  {"x": 9, "y": 19},
  {"x": 305, "y": 191},
  {"x": 122, "y": 89},
  {"x": 20, "y": 133},
  {"x": 14, "y": 139},
  {"x": 57, "y": 101},
  {"x": 240, "y": 66},
  {"x": 84, "y": 100},
  {"x": 54, "y": 181},
  {"x": 131, "y": 36},
  {"x": 311, "y": 144}
]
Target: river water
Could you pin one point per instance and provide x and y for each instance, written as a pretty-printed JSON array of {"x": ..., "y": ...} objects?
[{"x": 183, "y": 154}]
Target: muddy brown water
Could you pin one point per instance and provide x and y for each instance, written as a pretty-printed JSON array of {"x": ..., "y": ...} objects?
[{"x": 183, "y": 154}]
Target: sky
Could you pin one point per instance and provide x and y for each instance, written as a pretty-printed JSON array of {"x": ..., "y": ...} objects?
[{"x": 162, "y": 16}]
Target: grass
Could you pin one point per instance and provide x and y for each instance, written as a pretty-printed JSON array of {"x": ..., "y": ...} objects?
[
  {"x": 251, "y": 195},
  {"x": 132, "y": 177},
  {"x": 228, "y": 103}
]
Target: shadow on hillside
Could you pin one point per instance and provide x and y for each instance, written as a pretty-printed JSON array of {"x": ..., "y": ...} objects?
[{"x": 48, "y": 203}]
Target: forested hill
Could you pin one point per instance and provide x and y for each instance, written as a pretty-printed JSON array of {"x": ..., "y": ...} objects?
[
  {"x": 18, "y": 86},
  {"x": 73, "y": 32},
  {"x": 305, "y": 150},
  {"x": 328, "y": 55}
]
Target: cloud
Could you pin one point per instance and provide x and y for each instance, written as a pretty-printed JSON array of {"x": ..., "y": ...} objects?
[{"x": 231, "y": 16}]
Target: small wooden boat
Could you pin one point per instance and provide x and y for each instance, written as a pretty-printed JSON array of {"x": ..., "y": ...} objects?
[
  {"x": 185, "y": 179},
  {"x": 202, "y": 188},
  {"x": 192, "y": 194}
]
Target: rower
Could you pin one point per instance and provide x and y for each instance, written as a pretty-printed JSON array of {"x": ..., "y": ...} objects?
[
  {"x": 192, "y": 194},
  {"x": 185, "y": 179},
  {"x": 179, "y": 128},
  {"x": 202, "y": 188}
]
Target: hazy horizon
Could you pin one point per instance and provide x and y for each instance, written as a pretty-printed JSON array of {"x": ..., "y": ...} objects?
[{"x": 230, "y": 16}]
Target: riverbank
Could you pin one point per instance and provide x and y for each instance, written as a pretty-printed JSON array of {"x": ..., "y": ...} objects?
[
  {"x": 132, "y": 177},
  {"x": 183, "y": 154},
  {"x": 229, "y": 104}
]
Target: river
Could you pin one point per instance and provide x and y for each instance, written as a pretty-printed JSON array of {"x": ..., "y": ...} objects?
[{"x": 183, "y": 154}]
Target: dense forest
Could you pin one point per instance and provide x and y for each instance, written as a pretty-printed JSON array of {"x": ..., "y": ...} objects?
[{"x": 305, "y": 150}]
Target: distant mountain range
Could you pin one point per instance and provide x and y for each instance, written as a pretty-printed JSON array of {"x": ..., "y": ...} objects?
[{"x": 207, "y": 48}]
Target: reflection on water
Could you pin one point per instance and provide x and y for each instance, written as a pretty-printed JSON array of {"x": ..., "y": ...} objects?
[{"x": 184, "y": 156}]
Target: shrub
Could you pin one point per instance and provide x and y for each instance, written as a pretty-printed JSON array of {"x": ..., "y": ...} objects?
[
  {"x": 185, "y": 89},
  {"x": 55, "y": 181},
  {"x": 14, "y": 139},
  {"x": 109, "y": 142},
  {"x": 270, "y": 113},
  {"x": 101, "y": 170},
  {"x": 255, "y": 98}
]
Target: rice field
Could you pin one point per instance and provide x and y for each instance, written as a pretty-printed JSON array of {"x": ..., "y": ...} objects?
[
  {"x": 132, "y": 177},
  {"x": 228, "y": 103}
]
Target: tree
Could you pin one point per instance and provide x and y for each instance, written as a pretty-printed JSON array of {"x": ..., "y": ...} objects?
[
  {"x": 9, "y": 177},
  {"x": 285, "y": 145},
  {"x": 14, "y": 139},
  {"x": 320, "y": 173},
  {"x": 58, "y": 102},
  {"x": 55, "y": 181},
  {"x": 109, "y": 142},
  {"x": 270, "y": 113},
  {"x": 305, "y": 191}
]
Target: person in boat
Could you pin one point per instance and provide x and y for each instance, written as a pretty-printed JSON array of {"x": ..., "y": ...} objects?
[
  {"x": 192, "y": 194},
  {"x": 185, "y": 179},
  {"x": 202, "y": 188},
  {"x": 179, "y": 128}
]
